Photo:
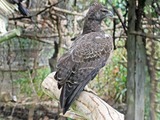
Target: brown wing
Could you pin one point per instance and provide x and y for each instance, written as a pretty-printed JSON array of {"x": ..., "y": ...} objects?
[{"x": 81, "y": 64}]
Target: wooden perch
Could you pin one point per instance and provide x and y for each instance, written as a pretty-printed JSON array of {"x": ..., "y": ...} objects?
[
  {"x": 11, "y": 34},
  {"x": 87, "y": 106}
]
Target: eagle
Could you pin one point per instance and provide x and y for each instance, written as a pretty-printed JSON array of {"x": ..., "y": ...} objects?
[
  {"x": 8, "y": 7},
  {"x": 89, "y": 52}
]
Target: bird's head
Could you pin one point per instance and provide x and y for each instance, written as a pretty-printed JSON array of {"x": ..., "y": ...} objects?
[
  {"x": 98, "y": 12},
  {"x": 94, "y": 17}
]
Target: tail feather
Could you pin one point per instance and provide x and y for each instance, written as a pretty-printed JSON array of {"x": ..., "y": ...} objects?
[
  {"x": 66, "y": 102},
  {"x": 66, "y": 99}
]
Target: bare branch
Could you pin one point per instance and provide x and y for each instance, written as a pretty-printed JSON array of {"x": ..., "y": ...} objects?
[
  {"x": 45, "y": 9},
  {"x": 11, "y": 34},
  {"x": 146, "y": 35},
  {"x": 120, "y": 17}
]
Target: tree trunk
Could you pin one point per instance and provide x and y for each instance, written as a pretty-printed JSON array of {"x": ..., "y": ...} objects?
[
  {"x": 136, "y": 63},
  {"x": 131, "y": 62}
]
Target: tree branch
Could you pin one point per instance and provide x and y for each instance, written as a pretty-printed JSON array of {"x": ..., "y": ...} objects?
[
  {"x": 146, "y": 35},
  {"x": 11, "y": 34},
  {"x": 45, "y": 9},
  {"x": 88, "y": 105},
  {"x": 119, "y": 17}
]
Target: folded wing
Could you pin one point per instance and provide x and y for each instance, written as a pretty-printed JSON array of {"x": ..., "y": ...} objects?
[{"x": 81, "y": 64}]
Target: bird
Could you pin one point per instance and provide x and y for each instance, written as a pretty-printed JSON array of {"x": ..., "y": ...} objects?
[
  {"x": 88, "y": 53},
  {"x": 8, "y": 7}
]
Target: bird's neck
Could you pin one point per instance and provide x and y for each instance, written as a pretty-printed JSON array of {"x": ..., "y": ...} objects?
[{"x": 91, "y": 26}]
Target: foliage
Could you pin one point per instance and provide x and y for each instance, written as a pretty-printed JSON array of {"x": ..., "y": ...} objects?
[{"x": 25, "y": 85}]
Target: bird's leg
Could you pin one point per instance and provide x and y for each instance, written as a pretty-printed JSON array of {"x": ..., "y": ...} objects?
[{"x": 87, "y": 89}]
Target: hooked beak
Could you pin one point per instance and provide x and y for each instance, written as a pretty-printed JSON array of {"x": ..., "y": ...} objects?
[{"x": 109, "y": 13}]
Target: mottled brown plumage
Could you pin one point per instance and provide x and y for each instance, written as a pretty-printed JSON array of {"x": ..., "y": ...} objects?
[{"x": 87, "y": 55}]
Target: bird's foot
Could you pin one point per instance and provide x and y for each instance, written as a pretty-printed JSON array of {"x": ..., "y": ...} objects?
[{"x": 87, "y": 89}]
